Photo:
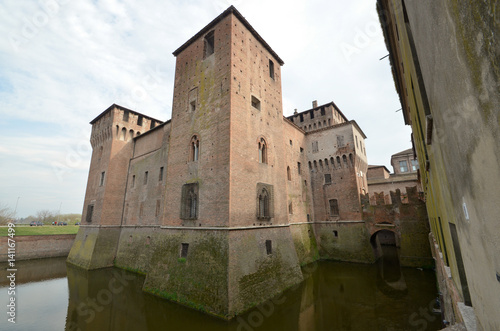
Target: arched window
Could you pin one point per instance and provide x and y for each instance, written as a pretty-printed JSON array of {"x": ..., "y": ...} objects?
[
  {"x": 130, "y": 134},
  {"x": 344, "y": 158},
  {"x": 315, "y": 165},
  {"x": 326, "y": 164},
  {"x": 332, "y": 162},
  {"x": 351, "y": 159},
  {"x": 262, "y": 151},
  {"x": 195, "y": 148},
  {"x": 319, "y": 124},
  {"x": 314, "y": 126},
  {"x": 321, "y": 165},
  {"x": 264, "y": 204},
  {"x": 138, "y": 134},
  {"x": 339, "y": 165},
  {"x": 310, "y": 166},
  {"x": 288, "y": 173},
  {"x": 124, "y": 134}
]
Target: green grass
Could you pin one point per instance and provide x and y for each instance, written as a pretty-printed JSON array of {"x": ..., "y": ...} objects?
[{"x": 23, "y": 230}]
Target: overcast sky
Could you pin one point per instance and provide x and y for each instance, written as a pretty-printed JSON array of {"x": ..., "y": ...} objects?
[{"x": 63, "y": 62}]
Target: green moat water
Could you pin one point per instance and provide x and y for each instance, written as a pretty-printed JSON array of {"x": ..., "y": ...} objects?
[{"x": 334, "y": 296}]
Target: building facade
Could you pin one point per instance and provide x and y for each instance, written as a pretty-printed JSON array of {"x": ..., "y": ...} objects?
[
  {"x": 405, "y": 174},
  {"x": 221, "y": 205},
  {"x": 444, "y": 58}
]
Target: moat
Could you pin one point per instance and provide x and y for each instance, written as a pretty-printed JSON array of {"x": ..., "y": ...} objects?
[{"x": 335, "y": 296}]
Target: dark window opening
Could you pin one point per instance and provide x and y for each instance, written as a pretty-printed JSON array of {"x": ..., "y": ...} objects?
[
  {"x": 301, "y": 117},
  {"x": 334, "y": 207},
  {"x": 101, "y": 183},
  {"x": 145, "y": 178},
  {"x": 209, "y": 44},
  {"x": 322, "y": 111},
  {"x": 139, "y": 120},
  {"x": 153, "y": 124},
  {"x": 299, "y": 170},
  {"x": 125, "y": 116},
  {"x": 133, "y": 181},
  {"x": 160, "y": 176},
  {"x": 255, "y": 103},
  {"x": 90, "y": 211},
  {"x": 311, "y": 113},
  {"x": 269, "y": 247},
  {"x": 328, "y": 179},
  {"x": 193, "y": 105},
  {"x": 271, "y": 69},
  {"x": 184, "y": 250},
  {"x": 335, "y": 233}
]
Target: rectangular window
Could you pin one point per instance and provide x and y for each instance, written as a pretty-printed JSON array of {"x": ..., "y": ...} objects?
[
  {"x": 269, "y": 247},
  {"x": 414, "y": 165},
  {"x": 298, "y": 168},
  {"x": 209, "y": 44},
  {"x": 90, "y": 211},
  {"x": 328, "y": 179},
  {"x": 160, "y": 176},
  {"x": 322, "y": 111},
  {"x": 145, "y": 178},
  {"x": 311, "y": 113},
  {"x": 153, "y": 124},
  {"x": 403, "y": 166},
  {"x": 255, "y": 103},
  {"x": 101, "y": 182},
  {"x": 334, "y": 207},
  {"x": 125, "y": 116},
  {"x": 271, "y": 69},
  {"x": 184, "y": 250},
  {"x": 139, "y": 120}
]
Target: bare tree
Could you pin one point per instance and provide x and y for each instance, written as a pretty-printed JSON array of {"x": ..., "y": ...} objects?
[
  {"x": 45, "y": 216},
  {"x": 6, "y": 214}
]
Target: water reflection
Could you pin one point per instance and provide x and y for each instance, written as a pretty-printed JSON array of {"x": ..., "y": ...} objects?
[{"x": 334, "y": 296}]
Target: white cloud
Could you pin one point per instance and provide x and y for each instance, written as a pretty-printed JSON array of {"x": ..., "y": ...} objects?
[{"x": 62, "y": 65}]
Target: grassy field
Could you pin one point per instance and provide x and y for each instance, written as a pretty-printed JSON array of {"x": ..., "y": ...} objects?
[{"x": 23, "y": 230}]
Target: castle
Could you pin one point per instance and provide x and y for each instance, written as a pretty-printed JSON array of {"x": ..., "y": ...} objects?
[{"x": 220, "y": 206}]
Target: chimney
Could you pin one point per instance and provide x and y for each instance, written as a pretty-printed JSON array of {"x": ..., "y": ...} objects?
[
  {"x": 295, "y": 111},
  {"x": 315, "y": 103}
]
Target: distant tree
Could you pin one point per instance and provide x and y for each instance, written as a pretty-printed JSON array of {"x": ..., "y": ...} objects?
[
  {"x": 6, "y": 214},
  {"x": 45, "y": 216}
]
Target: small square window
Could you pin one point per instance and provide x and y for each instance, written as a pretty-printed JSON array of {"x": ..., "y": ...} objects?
[{"x": 255, "y": 103}]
